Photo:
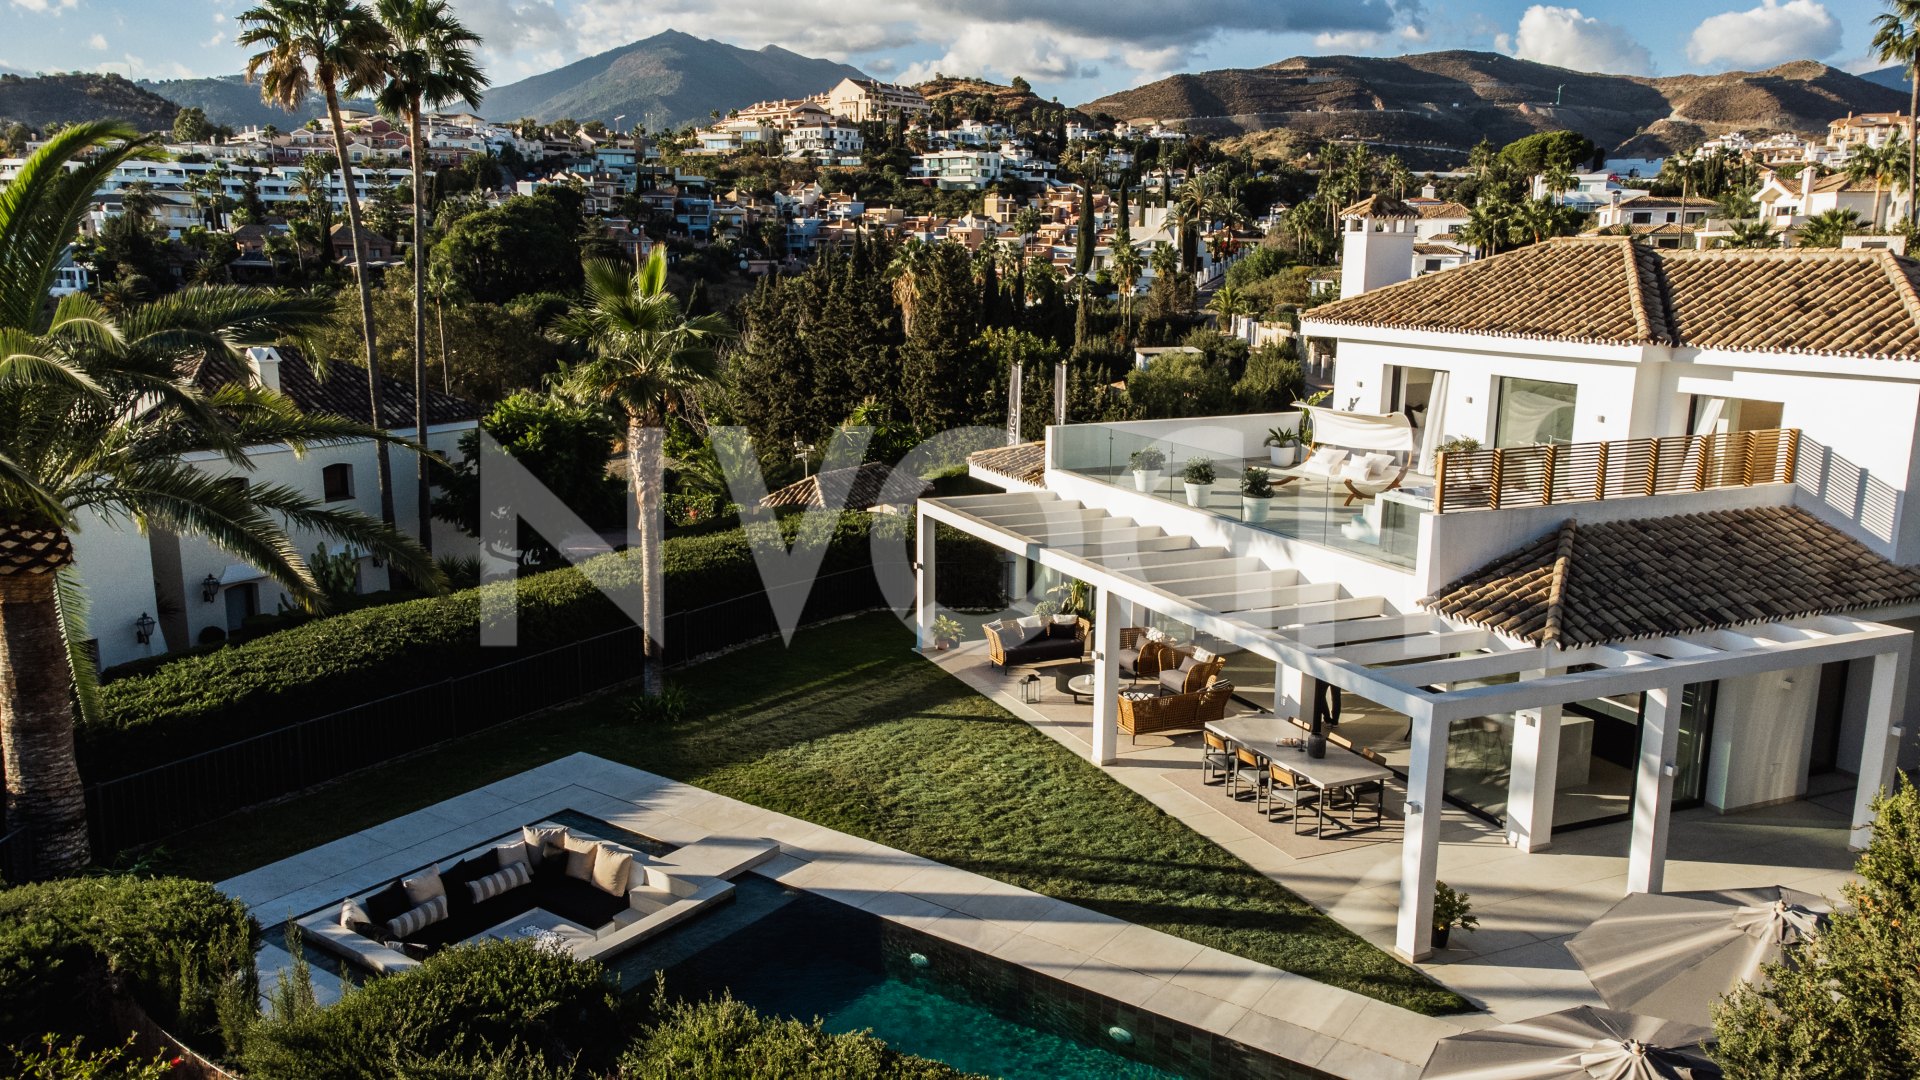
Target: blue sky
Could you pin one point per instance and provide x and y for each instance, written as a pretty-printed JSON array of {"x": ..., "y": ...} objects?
[{"x": 1073, "y": 49}]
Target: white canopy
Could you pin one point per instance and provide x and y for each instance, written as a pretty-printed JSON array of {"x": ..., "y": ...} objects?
[{"x": 1360, "y": 431}]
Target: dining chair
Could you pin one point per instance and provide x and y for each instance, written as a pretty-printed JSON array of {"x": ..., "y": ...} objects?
[
  {"x": 1286, "y": 787},
  {"x": 1215, "y": 757},
  {"x": 1248, "y": 768}
]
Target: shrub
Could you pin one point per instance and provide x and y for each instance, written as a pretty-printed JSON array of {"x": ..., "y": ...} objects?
[
  {"x": 727, "y": 1038},
  {"x": 70, "y": 1061},
  {"x": 545, "y": 1011},
  {"x": 180, "y": 950}
]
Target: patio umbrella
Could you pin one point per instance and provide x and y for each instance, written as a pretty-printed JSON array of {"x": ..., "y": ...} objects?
[
  {"x": 1674, "y": 954},
  {"x": 1582, "y": 1043}
]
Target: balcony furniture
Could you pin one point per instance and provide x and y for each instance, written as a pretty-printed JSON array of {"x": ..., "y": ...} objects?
[
  {"x": 1035, "y": 640},
  {"x": 1190, "y": 675},
  {"x": 1340, "y": 769},
  {"x": 1251, "y": 769},
  {"x": 1080, "y": 686},
  {"x": 1323, "y": 463},
  {"x": 1366, "y": 476},
  {"x": 1143, "y": 715},
  {"x": 1285, "y": 788},
  {"x": 1215, "y": 757},
  {"x": 1139, "y": 657}
]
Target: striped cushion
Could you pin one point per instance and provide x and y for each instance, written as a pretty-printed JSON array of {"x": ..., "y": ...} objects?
[
  {"x": 419, "y": 918},
  {"x": 500, "y": 881}
]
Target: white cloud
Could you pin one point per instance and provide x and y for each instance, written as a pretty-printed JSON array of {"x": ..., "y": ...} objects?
[
  {"x": 97, "y": 42},
  {"x": 1565, "y": 38},
  {"x": 1347, "y": 41},
  {"x": 1763, "y": 36},
  {"x": 41, "y": 7}
]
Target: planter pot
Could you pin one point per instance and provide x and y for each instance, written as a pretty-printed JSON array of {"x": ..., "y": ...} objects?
[
  {"x": 1283, "y": 456},
  {"x": 1146, "y": 479},
  {"x": 943, "y": 646},
  {"x": 1197, "y": 494},
  {"x": 1439, "y": 938},
  {"x": 1252, "y": 509},
  {"x": 1316, "y": 745}
]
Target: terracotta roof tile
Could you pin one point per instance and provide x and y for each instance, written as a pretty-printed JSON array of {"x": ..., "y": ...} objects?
[
  {"x": 1609, "y": 290},
  {"x": 1380, "y": 206},
  {"x": 1025, "y": 462},
  {"x": 866, "y": 486},
  {"x": 344, "y": 391},
  {"x": 1615, "y": 581}
]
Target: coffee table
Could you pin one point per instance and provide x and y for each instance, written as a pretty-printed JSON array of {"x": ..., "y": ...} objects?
[
  {"x": 1080, "y": 686},
  {"x": 532, "y": 924}
]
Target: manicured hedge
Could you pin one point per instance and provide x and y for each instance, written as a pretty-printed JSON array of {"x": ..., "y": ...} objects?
[
  {"x": 727, "y": 1038},
  {"x": 203, "y": 701},
  {"x": 179, "y": 949}
]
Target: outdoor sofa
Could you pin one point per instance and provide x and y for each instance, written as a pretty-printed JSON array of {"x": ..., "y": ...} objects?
[
  {"x": 1143, "y": 714},
  {"x": 1036, "y": 639}
]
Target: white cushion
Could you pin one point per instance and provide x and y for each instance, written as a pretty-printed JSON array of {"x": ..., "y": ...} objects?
[
  {"x": 354, "y": 917},
  {"x": 1065, "y": 620},
  {"x": 997, "y": 625},
  {"x": 1155, "y": 635},
  {"x": 541, "y": 839},
  {"x": 500, "y": 881},
  {"x": 580, "y": 858},
  {"x": 508, "y": 854},
  {"x": 1202, "y": 656},
  {"x": 611, "y": 869},
  {"x": 1367, "y": 469},
  {"x": 1324, "y": 461},
  {"x": 425, "y": 887},
  {"x": 419, "y": 918},
  {"x": 1031, "y": 622}
]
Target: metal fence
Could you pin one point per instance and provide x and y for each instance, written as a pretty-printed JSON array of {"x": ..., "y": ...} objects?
[
  {"x": 1517, "y": 476},
  {"x": 170, "y": 798}
]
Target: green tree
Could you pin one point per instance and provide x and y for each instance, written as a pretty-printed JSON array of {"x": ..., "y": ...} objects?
[
  {"x": 1751, "y": 234},
  {"x": 942, "y": 381},
  {"x": 190, "y": 125},
  {"x": 527, "y": 244},
  {"x": 348, "y": 50},
  {"x": 645, "y": 356},
  {"x": 1896, "y": 37},
  {"x": 1826, "y": 230},
  {"x": 97, "y": 420},
  {"x": 564, "y": 444},
  {"x": 1844, "y": 1005},
  {"x": 1874, "y": 165},
  {"x": 1180, "y": 384},
  {"x": 432, "y": 65}
]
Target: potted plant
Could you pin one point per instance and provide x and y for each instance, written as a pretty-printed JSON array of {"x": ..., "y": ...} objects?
[
  {"x": 1457, "y": 444},
  {"x": 947, "y": 632},
  {"x": 1451, "y": 909},
  {"x": 1256, "y": 494},
  {"x": 1283, "y": 447},
  {"x": 1198, "y": 478},
  {"x": 1146, "y": 468}
]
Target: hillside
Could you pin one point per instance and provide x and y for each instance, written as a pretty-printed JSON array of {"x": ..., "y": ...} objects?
[
  {"x": 965, "y": 91},
  {"x": 1452, "y": 99},
  {"x": 229, "y": 100},
  {"x": 668, "y": 79},
  {"x": 67, "y": 99}
]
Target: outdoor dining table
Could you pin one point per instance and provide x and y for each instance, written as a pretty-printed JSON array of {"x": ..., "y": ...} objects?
[{"x": 1340, "y": 769}]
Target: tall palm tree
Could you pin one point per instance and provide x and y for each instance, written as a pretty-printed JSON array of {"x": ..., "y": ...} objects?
[
  {"x": 1489, "y": 226},
  {"x": 432, "y": 65},
  {"x": 1873, "y": 165},
  {"x": 1026, "y": 222},
  {"x": 1896, "y": 37},
  {"x": 95, "y": 415},
  {"x": 646, "y": 355},
  {"x": 1828, "y": 229},
  {"x": 910, "y": 260},
  {"x": 1126, "y": 264},
  {"x": 349, "y": 51},
  {"x": 1751, "y": 234}
]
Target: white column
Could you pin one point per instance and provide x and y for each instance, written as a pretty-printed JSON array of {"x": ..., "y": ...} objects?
[
  {"x": 1880, "y": 746},
  {"x": 1653, "y": 789},
  {"x": 1420, "y": 844},
  {"x": 1290, "y": 689},
  {"x": 1535, "y": 776},
  {"x": 1106, "y": 677},
  {"x": 1022, "y": 579},
  {"x": 924, "y": 605}
]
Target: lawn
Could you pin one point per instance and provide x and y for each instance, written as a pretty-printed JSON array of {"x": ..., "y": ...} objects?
[{"x": 849, "y": 729}]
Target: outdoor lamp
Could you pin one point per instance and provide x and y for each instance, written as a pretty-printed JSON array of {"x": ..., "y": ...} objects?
[
  {"x": 209, "y": 588},
  {"x": 143, "y": 628},
  {"x": 1030, "y": 689}
]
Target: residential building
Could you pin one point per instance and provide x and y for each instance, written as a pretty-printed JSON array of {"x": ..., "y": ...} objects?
[
  {"x": 1788, "y": 198},
  {"x": 196, "y": 592},
  {"x": 1868, "y": 129},
  {"x": 859, "y": 100},
  {"x": 968, "y": 169}
]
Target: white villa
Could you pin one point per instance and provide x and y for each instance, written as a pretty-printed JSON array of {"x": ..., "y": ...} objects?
[
  {"x": 154, "y": 591},
  {"x": 1681, "y": 570}
]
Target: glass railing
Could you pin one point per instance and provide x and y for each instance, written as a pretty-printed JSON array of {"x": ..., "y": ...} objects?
[{"x": 1383, "y": 527}]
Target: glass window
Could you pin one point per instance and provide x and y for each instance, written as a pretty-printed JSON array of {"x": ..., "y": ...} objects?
[
  {"x": 337, "y": 482},
  {"x": 1529, "y": 411}
]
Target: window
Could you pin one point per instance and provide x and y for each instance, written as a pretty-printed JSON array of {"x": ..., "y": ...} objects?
[
  {"x": 1643, "y": 217},
  {"x": 1432, "y": 265},
  {"x": 1529, "y": 411},
  {"x": 336, "y": 482}
]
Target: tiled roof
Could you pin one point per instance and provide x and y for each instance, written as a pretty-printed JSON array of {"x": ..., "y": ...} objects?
[
  {"x": 1444, "y": 210},
  {"x": 1667, "y": 202},
  {"x": 865, "y": 486},
  {"x": 1609, "y": 290},
  {"x": 344, "y": 391},
  {"x": 1591, "y": 584},
  {"x": 1380, "y": 206},
  {"x": 1025, "y": 462}
]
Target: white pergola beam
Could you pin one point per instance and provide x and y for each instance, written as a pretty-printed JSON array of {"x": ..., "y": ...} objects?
[
  {"x": 1381, "y": 630},
  {"x": 1302, "y": 615},
  {"x": 1880, "y": 744},
  {"x": 1417, "y": 646},
  {"x": 1653, "y": 788},
  {"x": 1230, "y": 597}
]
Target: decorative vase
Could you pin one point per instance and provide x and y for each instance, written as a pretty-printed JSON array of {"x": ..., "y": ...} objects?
[
  {"x": 1283, "y": 456},
  {"x": 1440, "y": 934},
  {"x": 1316, "y": 738},
  {"x": 1253, "y": 509},
  {"x": 1146, "y": 479},
  {"x": 1198, "y": 494}
]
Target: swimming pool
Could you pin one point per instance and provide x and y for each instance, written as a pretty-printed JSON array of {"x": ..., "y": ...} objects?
[{"x": 797, "y": 954}]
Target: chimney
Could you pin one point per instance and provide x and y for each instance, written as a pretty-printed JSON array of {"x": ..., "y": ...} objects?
[
  {"x": 1428, "y": 191},
  {"x": 1806, "y": 180},
  {"x": 265, "y": 365}
]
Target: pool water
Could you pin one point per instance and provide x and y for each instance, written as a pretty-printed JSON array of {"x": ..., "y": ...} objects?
[{"x": 799, "y": 955}]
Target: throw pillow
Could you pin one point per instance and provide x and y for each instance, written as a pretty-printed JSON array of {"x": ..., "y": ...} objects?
[
  {"x": 509, "y": 854},
  {"x": 419, "y": 918},
  {"x": 1030, "y": 622},
  {"x": 580, "y": 856},
  {"x": 501, "y": 881},
  {"x": 1202, "y": 656},
  {"x": 388, "y": 904},
  {"x": 1325, "y": 458},
  {"x": 1066, "y": 620},
  {"x": 425, "y": 887},
  {"x": 611, "y": 868},
  {"x": 1155, "y": 635},
  {"x": 541, "y": 839},
  {"x": 1138, "y": 695},
  {"x": 997, "y": 625},
  {"x": 354, "y": 917}
]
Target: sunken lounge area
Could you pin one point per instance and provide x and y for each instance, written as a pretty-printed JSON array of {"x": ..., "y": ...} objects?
[{"x": 558, "y": 885}]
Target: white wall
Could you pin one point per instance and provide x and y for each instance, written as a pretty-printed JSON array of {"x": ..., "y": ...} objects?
[
  {"x": 1762, "y": 736},
  {"x": 114, "y": 566}
]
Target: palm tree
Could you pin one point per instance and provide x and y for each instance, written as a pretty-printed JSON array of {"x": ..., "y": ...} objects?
[
  {"x": 1828, "y": 229},
  {"x": 1228, "y": 302},
  {"x": 1026, "y": 223},
  {"x": 1872, "y": 165},
  {"x": 349, "y": 51},
  {"x": 646, "y": 355},
  {"x": 1489, "y": 226},
  {"x": 98, "y": 415},
  {"x": 1126, "y": 264},
  {"x": 1896, "y": 37},
  {"x": 909, "y": 261},
  {"x": 432, "y": 65},
  {"x": 1751, "y": 234}
]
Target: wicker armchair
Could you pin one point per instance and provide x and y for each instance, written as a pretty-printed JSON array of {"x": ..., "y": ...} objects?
[
  {"x": 1185, "y": 675},
  {"x": 1175, "y": 712}
]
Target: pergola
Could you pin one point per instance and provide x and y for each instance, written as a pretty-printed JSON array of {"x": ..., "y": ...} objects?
[{"x": 1429, "y": 667}]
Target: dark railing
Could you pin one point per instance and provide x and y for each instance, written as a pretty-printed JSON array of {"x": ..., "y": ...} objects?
[
  {"x": 1517, "y": 476},
  {"x": 170, "y": 798}
]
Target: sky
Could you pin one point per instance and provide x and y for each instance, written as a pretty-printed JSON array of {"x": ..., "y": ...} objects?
[{"x": 1075, "y": 50}]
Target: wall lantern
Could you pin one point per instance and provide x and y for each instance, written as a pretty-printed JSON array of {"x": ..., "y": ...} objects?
[
  {"x": 143, "y": 628},
  {"x": 209, "y": 588}
]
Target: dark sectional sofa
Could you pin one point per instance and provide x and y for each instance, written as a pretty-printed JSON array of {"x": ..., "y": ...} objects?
[{"x": 1009, "y": 644}]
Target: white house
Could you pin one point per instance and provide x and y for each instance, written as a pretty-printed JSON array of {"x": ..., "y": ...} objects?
[
  {"x": 858, "y": 100},
  {"x": 1789, "y": 198},
  {"x": 965, "y": 169},
  {"x": 193, "y": 591}
]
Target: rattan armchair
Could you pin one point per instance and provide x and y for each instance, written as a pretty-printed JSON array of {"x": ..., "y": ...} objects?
[
  {"x": 1174, "y": 712},
  {"x": 1187, "y": 675}
]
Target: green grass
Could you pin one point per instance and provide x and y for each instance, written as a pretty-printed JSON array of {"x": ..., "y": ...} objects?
[{"x": 849, "y": 729}]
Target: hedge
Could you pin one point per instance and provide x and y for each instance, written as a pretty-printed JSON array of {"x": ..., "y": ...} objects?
[
  {"x": 198, "y": 702},
  {"x": 726, "y": 1038},
  {"x": 179, "y": 949}
]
